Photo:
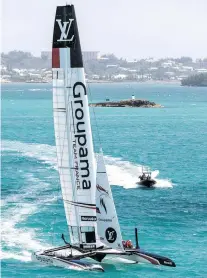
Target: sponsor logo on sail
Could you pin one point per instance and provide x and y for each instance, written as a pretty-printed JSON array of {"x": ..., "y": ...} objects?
[
  {"x": 80, "y": 150},
  {"x": 88, "y": 218},
  {"x": 101, "y": 189},
  {"x": 105, "y": 219},
  {"x": 65, "y": 29},
  {"x": 97, "y": 210},
  {"x": 110, "y": 235}
]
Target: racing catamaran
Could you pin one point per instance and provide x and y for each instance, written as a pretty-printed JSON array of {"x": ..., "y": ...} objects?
[{"x": 88, "y": 202}]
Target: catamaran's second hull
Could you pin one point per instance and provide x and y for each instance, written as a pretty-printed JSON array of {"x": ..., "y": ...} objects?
[
  {"x": 65, "y": 262},
  {"x": 146, "y": 257},
  {"x": 139, "y": 256}
]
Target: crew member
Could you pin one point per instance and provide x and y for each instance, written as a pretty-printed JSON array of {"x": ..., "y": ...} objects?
[{"x": 127, "y": 244}]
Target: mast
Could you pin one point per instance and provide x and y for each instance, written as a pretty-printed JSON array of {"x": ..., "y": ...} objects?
[{"x": 75, "y": 155}]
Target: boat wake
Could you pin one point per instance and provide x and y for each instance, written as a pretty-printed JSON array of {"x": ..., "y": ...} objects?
[
  {"x": 17, "y": 208},
  {"x": 120, "y": 172},
  {"x": 125, "y": 174},
  {"x": 41, "y": 152},
  {"x": 40, "y": 89}
]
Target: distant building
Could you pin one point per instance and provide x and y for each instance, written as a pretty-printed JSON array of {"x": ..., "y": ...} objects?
[
  {"x": 120, "y": 76},
  {"x": 169, "y": 73},
  {"x": 201, "y": 70},
  {"x": 123, "y": 69},
  {"x": 103, "y": 58},
  {"x": 47, "y": 55},
  {"x": 153, "y": 68},
  {"x": 2, "y": 67},
  {"x": 188, "y": 68},
  {"x": 95, "y": 76},
  {"x": 167, "y": 64},
  {"x": 132, "y": 70},
  {"x": 16, "y": 70},
  {"x": 90, "y": 55},
  {"x": 131, "y": 61},
  {"x": 181, "y": 77},
  {"x": 111, "y": 66}
]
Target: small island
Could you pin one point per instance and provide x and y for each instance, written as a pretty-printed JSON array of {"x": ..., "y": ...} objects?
[{"x": 127, "y": 103}]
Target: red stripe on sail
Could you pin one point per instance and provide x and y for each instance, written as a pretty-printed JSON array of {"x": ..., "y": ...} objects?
[
  {"x": 56, "y": 58},
  {"x": 82, "y": 205}
]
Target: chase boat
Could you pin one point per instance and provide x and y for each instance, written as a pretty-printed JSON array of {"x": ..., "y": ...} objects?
[{"x": 146, "y": 179}]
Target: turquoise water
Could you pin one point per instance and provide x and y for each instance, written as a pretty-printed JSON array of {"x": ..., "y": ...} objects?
[{"x": 171, "y": 219}]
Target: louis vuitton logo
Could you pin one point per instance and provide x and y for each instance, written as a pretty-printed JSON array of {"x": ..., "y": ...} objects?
[{"x": 65, "y": 28}]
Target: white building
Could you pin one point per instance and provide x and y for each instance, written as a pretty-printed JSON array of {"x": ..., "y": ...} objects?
[
  {"x": 120, "y": 76},
  {"x": 181, "y": 77},
  {"x": 132, "y": 70},
  {"x": 111, "y": 66},
  {"x": 201, "y": 70},
  {"x": 2, "y": 67},
  {"x": 103, "y": 58},
  {"x": 123, "y": 69},
  {"x": 90, "y": 55},
  {"x": 167, "y": 64},
  {"x": 87, "y": 55},
  {"x": 131, "y": 61},
  {"x": 188, "y": 68},
  {"x": 169, "y": 73},
  {"x": 95, "y": 76},
  {"x": 153, "y": 69}
]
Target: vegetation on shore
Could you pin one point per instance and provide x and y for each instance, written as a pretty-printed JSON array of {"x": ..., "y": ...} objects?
[
  {"x": 20, "y": 66},
  {"x": 195, "y": 80}
]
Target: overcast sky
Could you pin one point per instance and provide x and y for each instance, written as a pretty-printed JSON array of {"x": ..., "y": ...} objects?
[{"x": 127, "y": 28}]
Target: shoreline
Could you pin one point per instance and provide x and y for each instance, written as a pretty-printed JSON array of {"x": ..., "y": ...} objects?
[{"x": 103, "y": 82}]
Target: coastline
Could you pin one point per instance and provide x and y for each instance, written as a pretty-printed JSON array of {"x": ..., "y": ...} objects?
[{"x": 164, "y": 82}]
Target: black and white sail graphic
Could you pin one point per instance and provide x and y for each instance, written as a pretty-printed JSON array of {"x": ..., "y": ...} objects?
[{"x": 107, "y": 221}]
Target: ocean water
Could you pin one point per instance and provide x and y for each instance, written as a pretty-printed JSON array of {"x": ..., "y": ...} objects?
[{"x": 172, "y": 219}]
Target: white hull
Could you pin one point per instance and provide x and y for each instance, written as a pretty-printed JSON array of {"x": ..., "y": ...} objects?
[
  {"x": 131, "y": 257},
  {"x": 62, "y": 262},
  {"x": 139, "y": 256},
  {"x": 140, "y": 259}
]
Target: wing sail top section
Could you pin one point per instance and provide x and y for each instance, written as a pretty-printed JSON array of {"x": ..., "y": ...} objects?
[{"x": 66, "y": 34}]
